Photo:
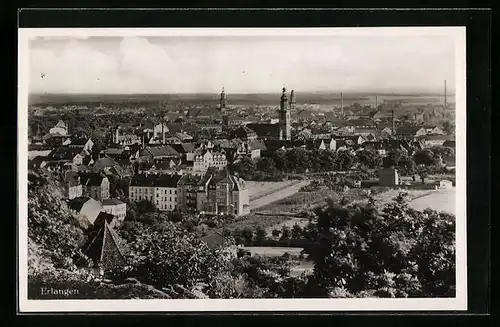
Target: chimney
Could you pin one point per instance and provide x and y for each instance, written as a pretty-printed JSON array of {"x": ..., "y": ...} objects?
[{"x": 162, "y": 132}]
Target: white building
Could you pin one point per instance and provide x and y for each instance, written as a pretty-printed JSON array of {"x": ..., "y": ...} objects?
[
  {"x": 206, "y": 159},
  {"x": 115, "y": 207}
]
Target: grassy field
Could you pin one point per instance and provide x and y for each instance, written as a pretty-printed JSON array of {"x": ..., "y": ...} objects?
[
  {"x": 259, "y": 189},
  {"x": 439, "y": 200}
]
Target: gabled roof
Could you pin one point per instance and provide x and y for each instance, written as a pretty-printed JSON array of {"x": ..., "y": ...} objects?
[
  {"x": 408, "y": 130},
  {"x": 71, "y": 178},
  {"x": 87, "y": 207},
  {"x": 79, "y": 142},
  {"x": 167, "y": 181},
  {"x": 450, "y": 143},
  {"x": 245, "y": 132},
  {"x": 142, "y": 180},
  {"x": 105, "y": 249},
  {"x": 91, "y": 179},
  {"x": 183, "y": 147},
  {"x": 105, "y": 162},
  {"x": 161, "y": 151},
  {"x": 64, "y": 153},
  {"x": 257, "y": 145},
  {"x": 189, "y": 179}
]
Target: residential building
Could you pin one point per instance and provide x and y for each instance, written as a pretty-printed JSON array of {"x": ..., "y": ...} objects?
[
  {"x": 72, "y": 185},
  {"x": 187, "y": 189},
  {"x": 115, "y": 207},
  {"x": 207, "y": 159},
  {"x": 95, "y": 185},
  {"x": 142, "y": 187},
  {"x": 165, "y": 192},
  {"x": 160, "y": 153},
  {"x": 87, "y": 207},
  {"x": 223, "y": 193},
  {"x": 436, "y": 139},
  {"x": 84, "y": 144},
  {"x": 245, "y": 133}
]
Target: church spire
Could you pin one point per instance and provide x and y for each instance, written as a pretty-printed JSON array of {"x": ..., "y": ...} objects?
[{"x": 223, "y": 99}]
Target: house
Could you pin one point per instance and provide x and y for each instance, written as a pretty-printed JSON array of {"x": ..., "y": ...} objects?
[
  {"x": 316, "y": 145},
  {"x": 87, "y": 207},
  {"x": 376, "y": 146},
  {"x": 265, "y": 130},
  {"x": 411, "y": 131},
  {"x": 105, "y": 251},
  {"x": 187, "y": 188},
  {"x": 65, "y": 154},
  {"x": 84, "y": 144},
  {"x": 72, "y": 186},
  {"x": 207, "y": 159},
  {"x": 251, "y": 149},
  {"x": 449, "y": 161},
  {"x": 61, "y": 128},
  {"x": 95, "y": 185},
  {"x": 354, "y": 139},
  {"x": 142, "y": 188},
  {"x": 330, "y": 143},
  {"x": 275, "y": 145},
  {"x": 160, "y": 131},
  {"x": 230, "y": 120},
  {"x": 388, "y": 177},
  {"x": 186, "y": 150},
  {"x": 160, "y": 153},
  {"x": 435, "y": 139},
  {"x": 245, "y": 133},
  {"x": 165, "y": 192},
  {"x": 115, "y": 207},
  {"x": 432, "y": 129},
  {"x": 223, "y": 193}
]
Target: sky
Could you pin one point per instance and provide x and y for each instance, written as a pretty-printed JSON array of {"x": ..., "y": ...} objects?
[{"x": 242, "y": 64}]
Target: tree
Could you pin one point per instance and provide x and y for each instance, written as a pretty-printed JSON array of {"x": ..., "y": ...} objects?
[
  {"x": 285, "y": 232},
  {"x": 344, "y": 160},
  {"x": 247, "y": 235},
  {"x": 244, "y": 168},
  {"x": 391, "y": 251},
  {"x": 296, "y": 231},
  {"x": 260, "y": 235},
  {"x": 276, "y": 232},
  {"x": 449, "y": 127},
  {"x": 145, "y": 206},
  {"x": 424, "y": 157},
  {"x": 369, "y": 158}
]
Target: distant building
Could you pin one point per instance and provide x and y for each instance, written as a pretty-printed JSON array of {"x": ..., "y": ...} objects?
[
  {"x": 187, "y": 190},
  {"x": 160, "y": 190},
  {"x": 388, "y": 177},
  {"x": 245, "y": 133},
  {"x": 87, "y": 207}
]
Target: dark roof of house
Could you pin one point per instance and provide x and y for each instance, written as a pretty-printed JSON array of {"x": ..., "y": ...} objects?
[
  {"x": 408, "y": 130},
  {"x": 79, "y": 142},
  {"x": 64, "y": 153},
  {"x": 91, "y": 179},
  {"x": 104, "y": 249},
  {"x": 161, "y": 151},
  {"x": 143, "y": 180},
  {"x": 265, "y": 130},
  {"x": 276, "y": 144},
  {"x": 103, "y": 217},
  {"x": 190, "y": 180},
  {"x": 438, "y": 137},
  {"x": 360, "y": 122},
  {"x": 167, "y": 181},
  {"x": 183, "y": 147},
  {"x": 105, "y": 162},
  {"x": 257, "y": 145},
  {"x": 77, "y": 203},
  {"x": 244, "y": 132}
]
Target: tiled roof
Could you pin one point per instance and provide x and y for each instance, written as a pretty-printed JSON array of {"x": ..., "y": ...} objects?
[
  {"x": 91, "y": 179},
  {"x": 142, "y": 180},
  {"x": 102, "y": 163},
  {"x": 167, "y": 181},
  {"x": 104, "y": 249},
  {"x": 64, "y": 153},
  {"x": 183, "y": 147},
  {"x": 408, "y": 130},
  {"x": 162, "y": 151}
]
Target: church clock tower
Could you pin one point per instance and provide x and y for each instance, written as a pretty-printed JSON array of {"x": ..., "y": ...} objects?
[{"x": 284, "y": 117}]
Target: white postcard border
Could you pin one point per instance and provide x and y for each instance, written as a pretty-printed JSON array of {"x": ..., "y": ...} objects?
[{"x": 216, "y": 305}]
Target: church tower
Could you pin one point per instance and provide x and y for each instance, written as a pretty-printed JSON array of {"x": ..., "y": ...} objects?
[
  {"x": 284, "y": 117},
  {"x": 223, "y": 100}
]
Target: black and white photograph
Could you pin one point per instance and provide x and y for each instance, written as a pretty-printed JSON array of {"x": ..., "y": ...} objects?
[{"x": 242, "y": 169}]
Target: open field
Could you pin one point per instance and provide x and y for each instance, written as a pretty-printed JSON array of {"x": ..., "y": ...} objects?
[
  {"x": 260, "y": 189},
  {"x": 439, "y": 200},
  {"x": 278, "y": 195}
]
